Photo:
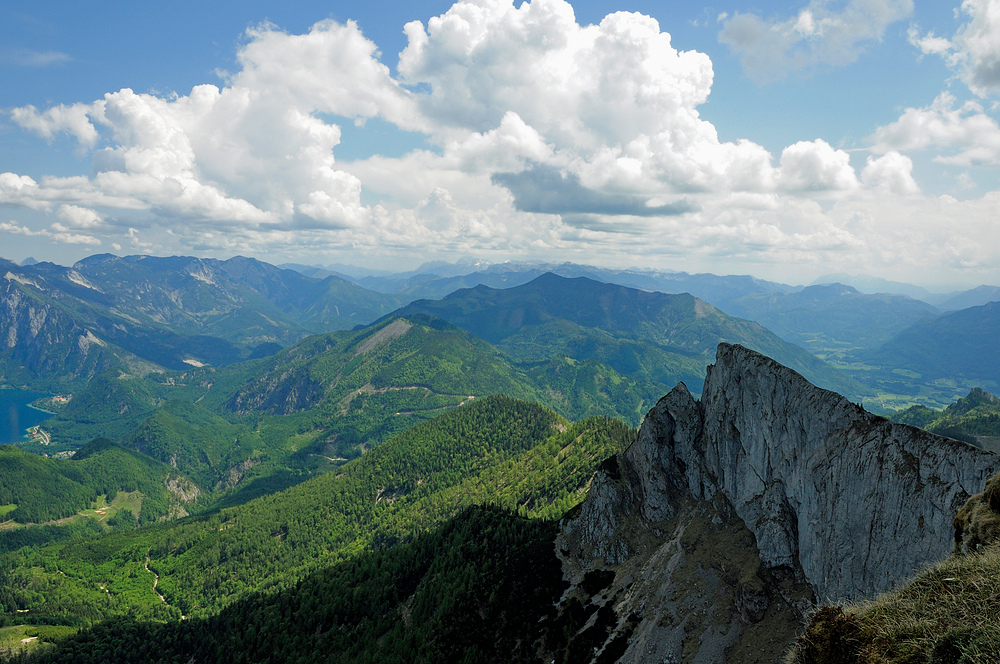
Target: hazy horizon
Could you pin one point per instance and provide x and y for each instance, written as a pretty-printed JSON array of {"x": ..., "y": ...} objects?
[{"x": 474, "y": 263}]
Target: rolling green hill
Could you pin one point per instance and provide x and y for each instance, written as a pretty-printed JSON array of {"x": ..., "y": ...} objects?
[
  {"x": 109, "y": 407},
  {"x": 36, "y": 490},
  {"x": 954, "y": 347},
  {"x": 360, "y": 388}
]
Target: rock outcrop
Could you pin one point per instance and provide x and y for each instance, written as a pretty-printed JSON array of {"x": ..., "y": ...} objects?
[
  {"x": 729, "y": 517},
  {"x": 40, "y": 338}
]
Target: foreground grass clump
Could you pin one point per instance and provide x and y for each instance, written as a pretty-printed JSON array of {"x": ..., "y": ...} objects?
[{"x": 946, "y": 615}]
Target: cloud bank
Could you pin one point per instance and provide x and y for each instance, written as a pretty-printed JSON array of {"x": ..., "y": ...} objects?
[{"x": 544, "y": 137}]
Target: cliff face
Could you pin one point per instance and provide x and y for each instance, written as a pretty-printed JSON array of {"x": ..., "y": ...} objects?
[{"x": 728, "y": 517}]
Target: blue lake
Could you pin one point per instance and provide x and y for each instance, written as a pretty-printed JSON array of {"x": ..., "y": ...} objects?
[{"x": 16, "y": 415}]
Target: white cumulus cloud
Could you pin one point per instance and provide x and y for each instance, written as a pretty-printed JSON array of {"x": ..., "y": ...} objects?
[
  {"x": 966, "y": 134},
  {"x": 892, "y": 173},
  {"x": 544, "y": 137},
  {"x": 255, "y": 151},
  {"x": 810, "y": 166},
  {"x": 78, "y": 217},
  {"x": 978, "y": 45},
  {"x": 974, "y": 50},
  {"x": 72, "y": 120},
  {"x": 615, "y": 102}
]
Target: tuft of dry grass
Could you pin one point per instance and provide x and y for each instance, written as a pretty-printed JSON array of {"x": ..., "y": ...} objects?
[{"x": 948, "y": 614}]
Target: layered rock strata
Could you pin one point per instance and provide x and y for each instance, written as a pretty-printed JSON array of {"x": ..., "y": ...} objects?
[{"x": 728, "y": 517}]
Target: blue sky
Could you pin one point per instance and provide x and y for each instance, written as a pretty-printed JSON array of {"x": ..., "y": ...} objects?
[{"x": 781, "y": 139}]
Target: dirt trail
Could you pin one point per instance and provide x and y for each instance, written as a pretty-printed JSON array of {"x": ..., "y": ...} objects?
[{"x": 156, "y": 579}]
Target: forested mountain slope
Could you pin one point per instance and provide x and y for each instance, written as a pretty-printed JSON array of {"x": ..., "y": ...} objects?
[
  {"x": 631, "y": 330},
  {"x": 332, "y": 394},
  {"x": 473, "y": 590},
  {"x": 35, "y": 489},
  {"x": 494, "y": 450},
  {"x": 706, "y": 539},
  {"x": 974, "y": 419}
]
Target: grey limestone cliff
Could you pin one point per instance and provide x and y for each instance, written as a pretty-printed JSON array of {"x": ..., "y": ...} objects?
[{"x": 728, "y": 517}]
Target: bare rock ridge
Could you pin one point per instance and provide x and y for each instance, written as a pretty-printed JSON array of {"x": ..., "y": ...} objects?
[{"x": 727, "y": 518}]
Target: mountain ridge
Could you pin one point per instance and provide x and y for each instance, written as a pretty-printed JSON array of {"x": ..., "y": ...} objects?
[
  {"x": 684, "y": 327},
  {"x": 142, "y": 313}
]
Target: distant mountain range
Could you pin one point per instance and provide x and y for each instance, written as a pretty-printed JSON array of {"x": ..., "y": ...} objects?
[
  {"x": 436, "y": 279},
  {"x": 63, "y": 326},
  {"x": 657, "y": 336},
  {"x": 373, "y": 477},
  {"x": 139, "y": 314},
  {"x": 959, "y": 345},
  {"x": 136, "y": 314},
  {"x": 833, "y": 318},
  {"x": 838, "y": 322},
  {"x": 950, "y": 301},
  {"x": 829, "y": 317},
  {"x": 241, "y": 427}
]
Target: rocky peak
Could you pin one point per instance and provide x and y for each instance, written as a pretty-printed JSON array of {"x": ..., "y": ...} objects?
[
  {"x": 838, "y": 503},
  {"x": 860, "y": 502}
]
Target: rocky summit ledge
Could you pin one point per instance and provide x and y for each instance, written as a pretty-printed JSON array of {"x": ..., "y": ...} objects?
[{"x": 728, "y": 518}]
